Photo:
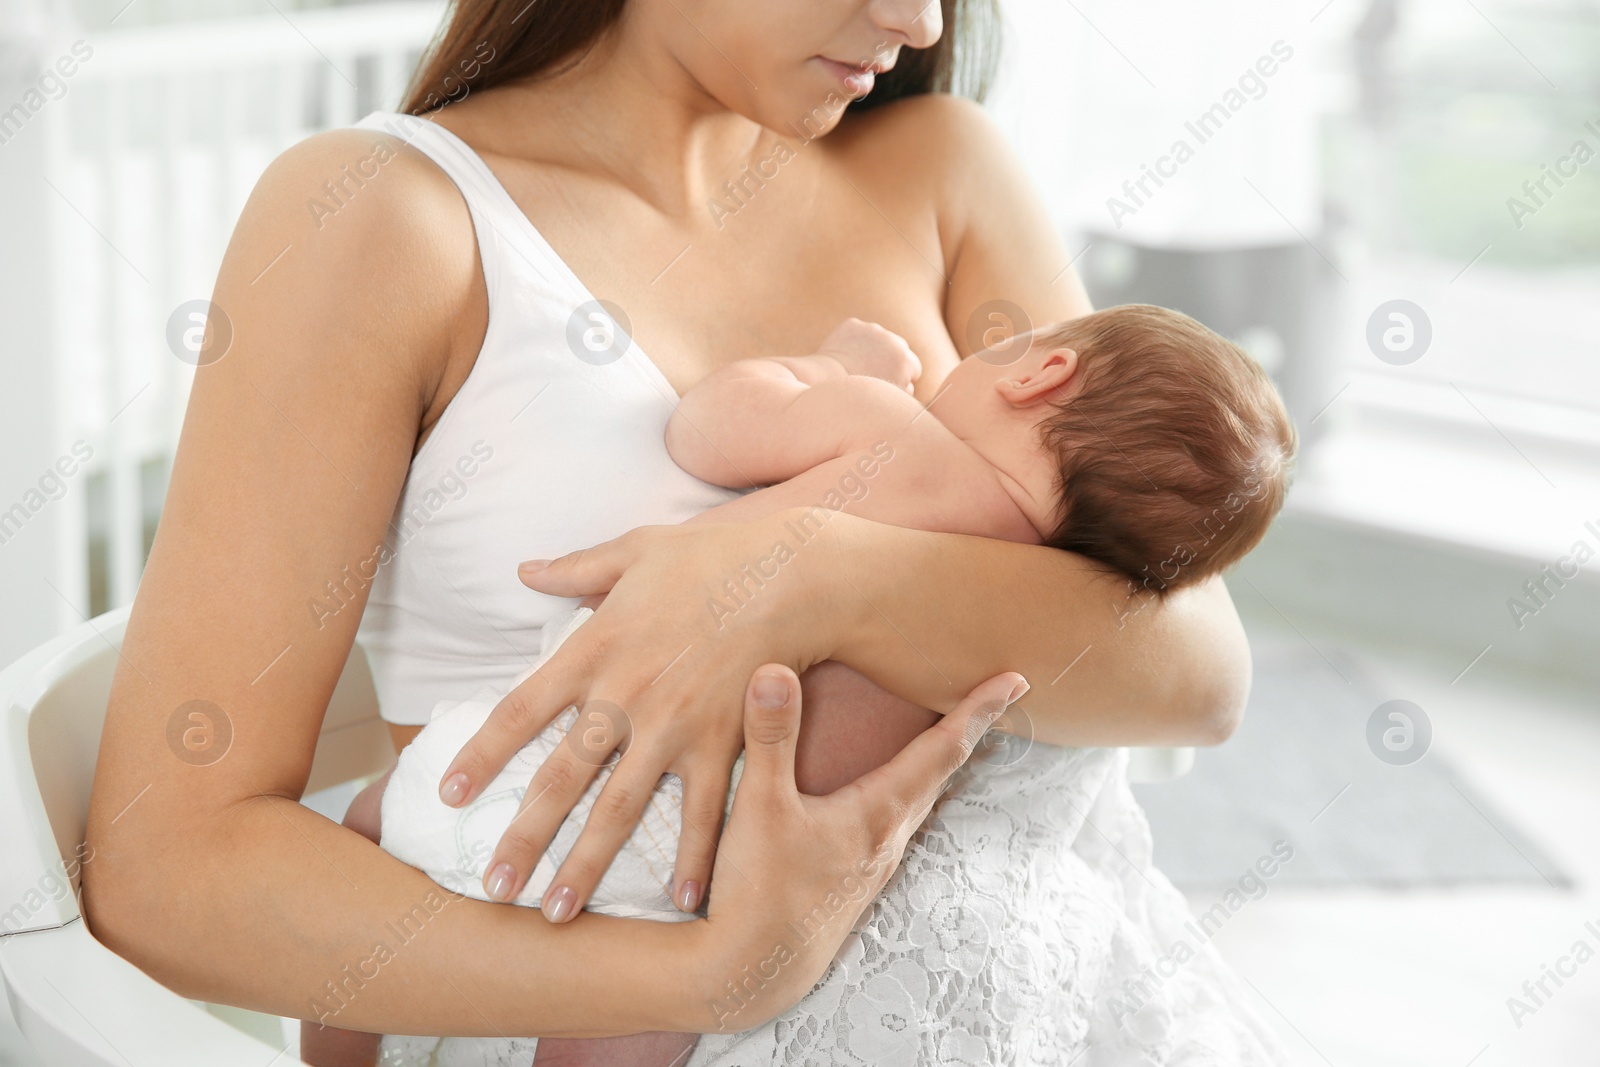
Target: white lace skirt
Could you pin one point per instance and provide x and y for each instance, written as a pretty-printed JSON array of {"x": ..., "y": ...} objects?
[{"x": 1026, "y": 926}]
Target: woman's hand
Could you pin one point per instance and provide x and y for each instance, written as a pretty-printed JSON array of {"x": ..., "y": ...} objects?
[
  {"x": 668, "y": 694},
  {"x": 795, "y": 872}
]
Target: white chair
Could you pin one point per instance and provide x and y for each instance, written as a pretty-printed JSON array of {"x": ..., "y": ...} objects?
[{"x": 77, "y": 1003}]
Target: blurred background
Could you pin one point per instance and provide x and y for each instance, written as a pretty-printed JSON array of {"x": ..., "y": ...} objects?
[{"x": 1393, "y": 204}]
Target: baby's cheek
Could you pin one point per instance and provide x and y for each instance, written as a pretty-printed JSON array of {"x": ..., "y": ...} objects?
[{"x": 850, "y": 726}]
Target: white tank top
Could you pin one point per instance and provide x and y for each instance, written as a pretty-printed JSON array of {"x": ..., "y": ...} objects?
[{"x": 553, "y": 443}]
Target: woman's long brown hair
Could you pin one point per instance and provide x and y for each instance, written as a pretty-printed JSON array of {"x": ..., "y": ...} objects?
[{"x": 484, "y": 43}]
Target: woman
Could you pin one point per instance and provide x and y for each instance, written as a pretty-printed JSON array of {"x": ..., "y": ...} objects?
[{"x": 635, "y": 145}]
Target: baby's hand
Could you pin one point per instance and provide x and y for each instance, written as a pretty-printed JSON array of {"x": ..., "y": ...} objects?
[{"x": 868, "y": 349}]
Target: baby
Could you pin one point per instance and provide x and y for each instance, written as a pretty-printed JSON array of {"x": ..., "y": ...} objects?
[{"x": 1133, "y": 436}]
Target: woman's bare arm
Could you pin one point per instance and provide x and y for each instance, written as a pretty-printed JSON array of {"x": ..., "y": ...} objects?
[
  {"x": 1113, "y": 669},
  {"x": 212, "y": 878}
]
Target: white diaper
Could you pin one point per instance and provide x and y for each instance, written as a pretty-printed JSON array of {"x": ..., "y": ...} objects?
[{"x": 453, "y": 846}]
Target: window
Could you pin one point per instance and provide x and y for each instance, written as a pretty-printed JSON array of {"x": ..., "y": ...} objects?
[{"x": 1441, "y": 152}]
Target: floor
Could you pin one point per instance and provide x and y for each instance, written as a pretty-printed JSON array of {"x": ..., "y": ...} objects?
[{"x": 1422, "y": 978}]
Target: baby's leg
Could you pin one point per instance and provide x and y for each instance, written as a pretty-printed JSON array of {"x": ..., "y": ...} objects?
[
  {"x": 849, "y": 727},
  {"x": 329, "y": 1046}
]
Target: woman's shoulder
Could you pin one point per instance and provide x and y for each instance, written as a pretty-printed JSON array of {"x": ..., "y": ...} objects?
[
  {"x": 931, "y": 129},
  {"x": 944, "y": 147},
  {"x": 358, "y": 186},
  {"x": 354, "y": 226},
  {"x": 942, "y": 115},
  {"x": 367, "y": 211},
  {"x": 942, "y": 154}
]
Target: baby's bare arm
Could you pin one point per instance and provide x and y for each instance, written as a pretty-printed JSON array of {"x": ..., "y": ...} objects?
[
  {"x": 754, "y": 423},
  {"x": 918, "y": 476},
  {"x": 757, "y": 421}
]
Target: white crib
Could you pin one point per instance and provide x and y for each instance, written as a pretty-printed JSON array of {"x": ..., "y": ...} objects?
[{"x": 123, "y": 192}]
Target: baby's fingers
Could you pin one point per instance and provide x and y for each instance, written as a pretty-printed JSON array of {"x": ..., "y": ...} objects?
[{"x": 913, "y": 365}]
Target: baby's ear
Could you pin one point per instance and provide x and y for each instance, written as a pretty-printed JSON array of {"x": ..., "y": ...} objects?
[{"x": 1054, "y": 377}]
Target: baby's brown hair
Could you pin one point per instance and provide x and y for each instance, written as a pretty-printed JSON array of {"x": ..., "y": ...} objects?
[{"x": 1174, "y": 454}]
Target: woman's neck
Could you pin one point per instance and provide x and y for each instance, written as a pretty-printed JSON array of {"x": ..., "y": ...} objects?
[{"x": 634, "y": 114}]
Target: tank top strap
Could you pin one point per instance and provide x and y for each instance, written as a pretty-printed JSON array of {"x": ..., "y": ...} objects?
[{"x": 501, "y": 224}]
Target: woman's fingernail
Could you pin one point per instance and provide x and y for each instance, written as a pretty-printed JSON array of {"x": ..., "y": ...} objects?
[
  {"x": 559, "y": 904},
  {"x": 501, "y": 879},
  {"x": 771, "y": 690},
  {"x": 1016, "y": 694},
  {"x": 454, "y": 789},
  {"x": 689, "y": 896},
  {"x": 532, "y": 567}
]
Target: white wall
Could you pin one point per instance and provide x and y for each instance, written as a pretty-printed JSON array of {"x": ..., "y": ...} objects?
[{"x": 1090, "y": 96}]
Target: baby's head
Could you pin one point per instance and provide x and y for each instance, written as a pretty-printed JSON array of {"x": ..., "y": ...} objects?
[
  {"x": 1139, "y": 438},
  {"x": 1172, "y": 447}
]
